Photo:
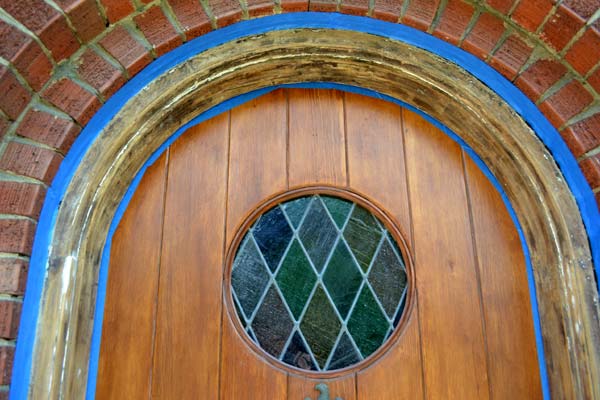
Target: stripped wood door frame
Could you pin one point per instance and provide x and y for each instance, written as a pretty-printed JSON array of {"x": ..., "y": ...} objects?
[{"x": 140, "y": 121}]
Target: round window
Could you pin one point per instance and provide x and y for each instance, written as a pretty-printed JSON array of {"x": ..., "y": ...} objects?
[{"x": 318, "y": 281}]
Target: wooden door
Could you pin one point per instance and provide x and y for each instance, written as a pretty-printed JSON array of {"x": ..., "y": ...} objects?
[{"x": 169, "y": 332}]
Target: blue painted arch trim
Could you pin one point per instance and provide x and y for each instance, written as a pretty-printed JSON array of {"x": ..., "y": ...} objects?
[{"x": 513, "y": 96}]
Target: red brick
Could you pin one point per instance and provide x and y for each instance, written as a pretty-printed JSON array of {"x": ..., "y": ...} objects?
[
  {"x": 355, "y": 7},
  {"x": 59, "y": 39},
  {"x": 99, "y": 73},
  {"x": 85, "y": 17},
  {"x": 7, "y": 355},
  {"x": 584, "y": 8},
  {"x": 454, "y": 21},
  {"x": 503, "y": 6},
  {"x": 583, "y": 136},
  {"x": 420, "y": 13},
  {"x": 72, "y": 99},
  {"x": 585, "y": 52},
  {"x": 511, "y": 56},
  {"x": 561, "y": 27},
  {"x": 594, "y": 80},
  {"x": 294, "y": 5},
  {"x": 25, "y": 54},
  {"x": 34, "y": 162},
  {"x": 566, "y": 103},
  {"x": 388, "y": 10},
  {"x": 47, "y": 23},
  {"x": 539, "y": 77},
  {"x": 14, "y": 96},
  {"x": 260, "y": 7},
  {"x": 34, "y": 14},
  {"x": 591, "y": 170},
  {"x": 21, "y": 198},
  {"x": 4, "y": 125},
  {"x": 4, "y": 394},
  {"x": 16, "y": 235},
  {"x": 226, "y": 11},
  {"x": 13, "y": 277},
  {"x": 48, "y": 129},
  {"x": 531, "y": 13},
  {"x": 117, "y": 9},
  {"x": 126, "y": 49},
  {"x": 483, "y": 37},
  {"x": 323, "y": 5},
  {"x": 191, "y": 17},
  {"x": 10, "y": 314},
  {"x": 158, "y": 30}
]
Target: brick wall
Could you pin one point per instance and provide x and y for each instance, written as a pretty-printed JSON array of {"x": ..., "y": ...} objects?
[{"x": 60, "y": 60}]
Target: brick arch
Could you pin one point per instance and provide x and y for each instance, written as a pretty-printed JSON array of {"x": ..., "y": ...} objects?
[{"x": 62, "y": 59}]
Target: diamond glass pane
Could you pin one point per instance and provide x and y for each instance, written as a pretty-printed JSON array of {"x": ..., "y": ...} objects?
[{"x": 319, "y": 283}]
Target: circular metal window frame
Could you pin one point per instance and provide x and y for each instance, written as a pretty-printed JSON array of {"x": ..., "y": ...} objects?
[{"x": 346, "y": 194}]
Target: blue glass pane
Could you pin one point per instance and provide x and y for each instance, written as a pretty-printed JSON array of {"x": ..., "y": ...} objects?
[
  {"x": 272, "y": 234},
  {"x": 295, "y": 209},
  {"x": 298, "y": 355}
]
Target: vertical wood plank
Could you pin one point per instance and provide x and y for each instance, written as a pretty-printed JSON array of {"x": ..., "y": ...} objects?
[
  {"x": 317, "y": 155},
  {"x": 257, "y": 166},
  {"x": 514, "y": 371},
  {"x": 316, "y": 137},
  {"x": 454, "y": 349},
  {"x": 257, "y": 170},
  {"x": 125, "y": 362},
  {"x": 376, "y": 168},
  {"x": 186, "y": 361}
]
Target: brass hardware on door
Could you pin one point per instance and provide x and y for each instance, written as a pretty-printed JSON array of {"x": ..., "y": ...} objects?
[{"x": 324, "y": 392}]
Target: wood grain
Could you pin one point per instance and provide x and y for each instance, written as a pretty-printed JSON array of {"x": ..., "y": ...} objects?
[
  {"x": 301, "y": 387},
  {"x": 257, "y": 170},
  {"x": 376, "y": 168},
  {"x": 317, "y": 154},
  {"x": 125, "y": 364},
  {"x": 316, "y": 137},
  {"x": 257, "y": 166},
  {"x": 452, "y": 332},
  {"x": 186, "y": 360},
  {"x": 514, "y": 371}
]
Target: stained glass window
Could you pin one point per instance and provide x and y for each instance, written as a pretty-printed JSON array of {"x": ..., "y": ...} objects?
[{"x": 319, "y": 283}]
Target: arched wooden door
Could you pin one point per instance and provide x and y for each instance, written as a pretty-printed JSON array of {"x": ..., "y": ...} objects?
[{"x": 167, "y": 332}]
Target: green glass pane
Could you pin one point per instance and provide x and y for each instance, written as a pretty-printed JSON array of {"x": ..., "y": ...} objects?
[
  {"x": 338, "y": 208},
  {"x": 249, "y": 276},
  {"x": 272, "y": 324},
  {"x": 342, "y": 278},
  {"x": 387, "y": 278},
  {"x": 295, "y": 209},
  {"x": 367, "y": 324},
  {"x": 296, "y": 279},
  {"x": 344, "y": 355},
  {"x": 362, "y": 234},
  {"x": 320, "y": 326},
  {"x": 318, "y": 234}
]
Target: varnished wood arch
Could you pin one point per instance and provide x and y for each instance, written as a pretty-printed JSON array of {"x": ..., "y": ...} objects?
[{"x": 545, "y": 207}]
